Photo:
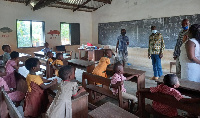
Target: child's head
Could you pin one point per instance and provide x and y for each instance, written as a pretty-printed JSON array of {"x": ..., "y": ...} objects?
[
  {"x": 14, "y": 55},
  {"x": 108, "y": 53},
  {"x": 171, "y": 80},
  {"x": 59, "y": 56},
  {"x": 194, "y": 32},
  {"x": 118, "y": 68},
  {"x": 50, "y": 54},
  {"x": 66, "y": 73},
  {"x": 2, "y": 70},
  {"x": 32, "y": 64},
  {"x": 46, "y": 44},
  {"x": 6, "y": 48}
]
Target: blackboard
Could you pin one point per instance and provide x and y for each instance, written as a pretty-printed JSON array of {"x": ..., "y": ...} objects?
[{"x": 138, "y": 31}]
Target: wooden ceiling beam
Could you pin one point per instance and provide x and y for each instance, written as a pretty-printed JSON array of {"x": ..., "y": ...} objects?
[
  {"x": 74, "y": 5},
  {"x": 104, "y": 1},
  {"x": 79, "y": 6},
  {"x": 28, "y": 2},
  {"x": 43, "y": 3},
  {"x": 68, "y": 8}
]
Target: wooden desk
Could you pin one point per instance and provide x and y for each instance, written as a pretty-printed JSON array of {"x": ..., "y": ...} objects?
[
  {"x": 127, "y": 72},
  {"x": 82, "y": 64},
  {"x": 109, "y": 110},
  {"x": 23, "y": 57},
  {"x": 93, "y": 55},
  {"x": 186, "y": 87},
  {"x": 39, "y": 53}
]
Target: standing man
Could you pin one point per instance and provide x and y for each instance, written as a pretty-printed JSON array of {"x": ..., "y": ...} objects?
[
  {"x": 155, "y": 52},
  {"x": 185, "y": 25},
  {"x": 122, "y": 43}
]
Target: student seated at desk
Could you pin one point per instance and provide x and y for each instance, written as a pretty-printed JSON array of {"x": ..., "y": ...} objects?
[
  {"x": 51, "y": 59},
  {"x": 170, "y": 83},
  {"x": 58, "y": 62},
  {"x": 16, "y": 96},
  {"x": 100, "y": 69},
  {"x": 61, "y": 105},
  {"x": 118, "y": 79},
  {"x": 11, "y": 66},
  {"x": 6, "y": 55},
  {"x": 35, "y": 100}
]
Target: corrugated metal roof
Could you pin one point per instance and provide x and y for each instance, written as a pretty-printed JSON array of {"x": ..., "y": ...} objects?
[{"x": 75, "y": 5}]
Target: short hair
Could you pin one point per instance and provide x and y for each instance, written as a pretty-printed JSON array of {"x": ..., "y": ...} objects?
[
  {"x": 4, "y": 46},
  {"x": 184, "y": 20},
  {"x": 30, "y": 63},
  {"x": 65, "y": 72},
  {"x": 153, "y": 27},
  {"x": 116, "y": 66},
  {"x": 123, "y": 29},
  {"x": 58, "y": 55},
  {"x": 195, "y": 31},
  {"x": 170, "y": 80},
  {"x": 14, "y": 54},
  {"x": 2, "y": 69}
]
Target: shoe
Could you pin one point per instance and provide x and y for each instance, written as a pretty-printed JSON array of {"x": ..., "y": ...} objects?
[
  {"x": 153, "y": 78},
  {"x": 156, "y": 78}
]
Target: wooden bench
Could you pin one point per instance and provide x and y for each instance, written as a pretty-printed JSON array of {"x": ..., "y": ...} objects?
[
  {"x": 103, "y": 91},
  {"x": 144, "y": 112},
  {"x": 9, "y": 107}
]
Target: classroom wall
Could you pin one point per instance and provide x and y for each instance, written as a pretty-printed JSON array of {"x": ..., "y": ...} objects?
[
  {"x": 10, "y": 11},
  {"x": 126, "y": 10}
]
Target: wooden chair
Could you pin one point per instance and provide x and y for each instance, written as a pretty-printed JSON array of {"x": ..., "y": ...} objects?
[
  {"x": 49, "y": 70},
  {"x": 103, "y": 91},
  {"x": 145, "y": 111},
  {"x": 9, "y": 106}
]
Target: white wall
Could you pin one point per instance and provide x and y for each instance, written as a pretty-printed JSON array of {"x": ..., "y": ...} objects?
[
  {"x": 10, "y": 11},
  {"x": 127, "y": 10}
]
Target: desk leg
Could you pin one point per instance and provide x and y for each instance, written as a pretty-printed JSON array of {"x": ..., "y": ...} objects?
[
  {"x": 79, "y": 54},
  {"x": 90, "y": 68},
  {"x": 141, "y": 82}
]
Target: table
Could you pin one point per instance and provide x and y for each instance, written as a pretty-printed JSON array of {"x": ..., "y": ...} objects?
[
  {"x": 39, "y": 53},
  {"x": 186, "y": 87},
  {"x": 23, "y": 57},
  {"x": 93, "y": 55},
  {"x": 82, "y": 64},
  {"x": 109, "y": 110},
  {"x": 128, "y": 71}
]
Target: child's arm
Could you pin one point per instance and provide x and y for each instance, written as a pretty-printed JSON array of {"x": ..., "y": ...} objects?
[
  {"x": 46, "y": 80},
  {"x": 43, "y": 86},
  {"x": 134, "y": 75},
  {"x": 81, "y": 89},
  {"x": 16, "y": 67}
]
